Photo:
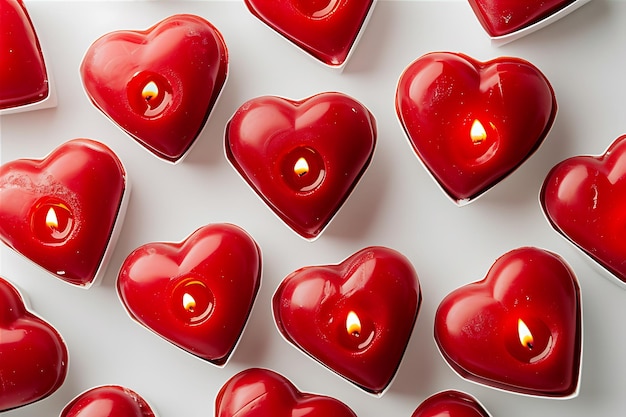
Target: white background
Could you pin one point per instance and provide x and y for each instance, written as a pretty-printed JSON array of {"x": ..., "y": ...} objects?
[{"x": 396, "y": 203}]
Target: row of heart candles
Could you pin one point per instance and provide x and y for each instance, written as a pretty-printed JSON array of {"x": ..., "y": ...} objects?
[{"x": 49, "y": 222}]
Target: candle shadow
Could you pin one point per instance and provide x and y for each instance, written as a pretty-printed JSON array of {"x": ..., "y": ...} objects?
[
  {"x": 361, "y": 207},
  {"x": 209, "y": 146},
  {"x": 254, "y": 343},
  {"x": 522, "y": 187},
  {"x": 414, "y": 373},
  {"x": 374, "y": 39}
]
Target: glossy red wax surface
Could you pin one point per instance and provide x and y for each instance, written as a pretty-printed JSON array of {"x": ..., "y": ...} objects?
[
  {"x": 264, "y": 134},
  {"x": 501, "y": 17},
  {"x": 23, "y": 76},
  {"x": 326, "y": 29},
  {"x": 86, "y": 181},
  {"x": 476, "y": 325},
  {"x": 381, "y": 286},
  {"x": 584, "y": 198},
  {"x": 441, "y": 94},
  {"x": 450, "y": 404},
  {"x": 260, "y": 392},
  {"x": 33, "y": 356},
  {"x": 220, "y": 261},
  {"x": 184, "y": 55},
  {"x": 108, "y": 401}
]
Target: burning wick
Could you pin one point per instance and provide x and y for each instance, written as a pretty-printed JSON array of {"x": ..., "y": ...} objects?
[
  {"x": 525, "y": 336},
  {"x": 189, "y": 303},
  {"x": 301, "y": 167},
  {"x": 477, "y": 132},
  {"x": 51, "y": 219},
  {"x": 353, "y": 324},
  {"x": 150, "y": 91}
]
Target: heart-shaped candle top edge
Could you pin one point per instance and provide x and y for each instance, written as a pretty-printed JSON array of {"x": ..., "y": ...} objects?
[
  {"x": 355, "y": 317},
  {"x": 450, "y": 403},
  {"x": 325, "y": 29},
  {"x": 34, "y": 356},
  {"x": 108, "y": 401},
  {"x": 23, "y": 73},
  {"x": 463, "y": 120},
  {"x": 61, "y": 211},
  {"x": 257, "y": 392},
  {"x": 302, "y": 157},
  {"x": 160, "y": 84},
  {"x": 584, "y": 199},
  {"x": 519, "y": 329},
  {"x": 198, "y": 293},
  {"x": 503, "y": 17}
]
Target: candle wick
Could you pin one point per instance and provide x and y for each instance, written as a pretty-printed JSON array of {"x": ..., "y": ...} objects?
[
  {"x": 356, "y": 334},
  {"x": 529, "y": 345}
]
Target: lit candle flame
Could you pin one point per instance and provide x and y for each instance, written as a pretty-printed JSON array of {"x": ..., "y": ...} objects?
[
  {"x": 301, "y": 167},
  {"x": 353, "y": 324},
  {"x": 525, "y": 336},
  {"x": 51, "y": 219},
  {"x": 477, "y": 132},
  {"x": 150, "y": 91},
  {"x": 189, "y": 303}
]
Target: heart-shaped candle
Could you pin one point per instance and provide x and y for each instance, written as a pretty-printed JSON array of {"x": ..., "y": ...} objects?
[
  {"x": 108, "y": 401},
  {"x": 450, "y": 404},
  {"x": 260, "y": 392},
  {"x": 519, "y": 329},
  {"x": 303, "y": 158},
  {"x": 23, "y": 75},
  {"x": 196, "y": 294},
  {"x": 159, "y": 85},
  {"x": 325, "y": 29},
  {"x": 33, "y": 356},
  {"x": 473, "y": 123},
  {"x": 355, "y": 317},
  {"x": 63, "y": 212},
  {"x": 500, "y": 18},
  {"x": 584, "y": 198}
]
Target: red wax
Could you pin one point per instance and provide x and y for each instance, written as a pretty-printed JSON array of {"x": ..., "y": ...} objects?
[
  {"x": 260, "y": 392},
  {"x": 160, "y": 84},
  {"x": 60, "y": 211},
  {"x": 23, "y": 76},
  {"x": 450, "y": 404},
  {"x": 303, "y": 158},
  {"x": 478, "y": 331},
  {"x": 108, "y": 401},
  {"x": 501, "y": 17},
  {"x": 196, "y": 294},
  {"x": 315, "y": 309},
  {"x": 584, "y": 198},
  {"x": 473, "y": 123},
  {"x": 325, "y": 29},
  {"x": 34, "y": 358}
]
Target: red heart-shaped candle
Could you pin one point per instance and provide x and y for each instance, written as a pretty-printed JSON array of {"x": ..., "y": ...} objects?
[
  {"x": 196, "y": 294},
  {"x": 519, "y": 329},
  {"x": 108, "y": 401},
  {"x": 473, "y": 123},
  {"x": 23, "y": 76},
  {"x": 501, "y": 17},
  {"x": 584, "y": 198},
  {"x": 325, "y": 29},
  {"x": 450, "y": 404},
  {"x": 33, "y": 356},
  {"x": 61, "y": 212},
  {"x": 355, "y": 317},
  {"x": 260, "y": 392},
  {"x": 303, "y": 158},
  {"x": 159, "y": 85}
]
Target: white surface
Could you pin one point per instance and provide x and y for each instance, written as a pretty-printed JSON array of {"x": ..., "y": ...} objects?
[{"x": 396, "y": 204}]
